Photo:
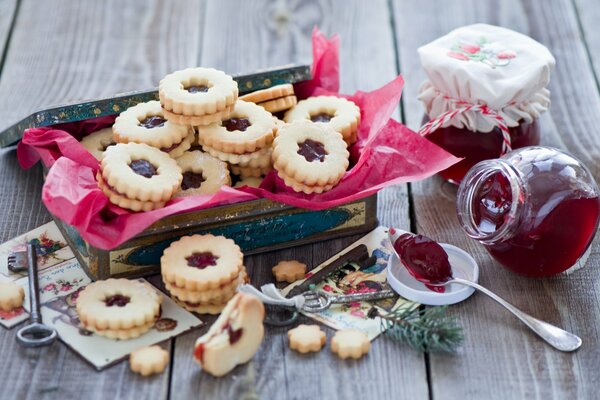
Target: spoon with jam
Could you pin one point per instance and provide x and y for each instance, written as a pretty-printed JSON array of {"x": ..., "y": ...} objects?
[{"x": 428, "y": 263}]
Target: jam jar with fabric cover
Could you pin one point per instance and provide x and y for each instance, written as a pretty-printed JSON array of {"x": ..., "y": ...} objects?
[{"x": 484, "y": 93}]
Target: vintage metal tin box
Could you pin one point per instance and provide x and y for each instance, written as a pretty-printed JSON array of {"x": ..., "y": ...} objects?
[{"x": 256, "y": 226}]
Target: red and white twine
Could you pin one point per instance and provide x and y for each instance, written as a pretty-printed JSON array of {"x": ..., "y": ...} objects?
[{"x": 480, "y": 108}]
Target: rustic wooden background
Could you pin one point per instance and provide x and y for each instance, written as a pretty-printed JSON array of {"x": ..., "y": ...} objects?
[{"x": 56, "y": 51}]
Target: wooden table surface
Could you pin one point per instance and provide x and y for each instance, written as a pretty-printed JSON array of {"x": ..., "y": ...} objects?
[{"x": 56, "y": 51}]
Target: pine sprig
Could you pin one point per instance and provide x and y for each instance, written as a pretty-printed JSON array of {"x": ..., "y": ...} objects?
[{"x": 425, "y": 329}]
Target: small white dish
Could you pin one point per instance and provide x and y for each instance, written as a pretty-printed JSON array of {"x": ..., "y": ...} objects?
[{"x": 463, "y": 266}]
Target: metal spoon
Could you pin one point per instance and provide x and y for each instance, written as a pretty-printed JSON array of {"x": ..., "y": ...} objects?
[{"x": 553, "y": 335}]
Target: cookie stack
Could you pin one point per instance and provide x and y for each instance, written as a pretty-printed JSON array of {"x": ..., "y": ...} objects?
[
  {"x": 118, "y": 308},
  {"x": 138, "y": 177},
  {"x": 243, "y": 140},
  {"x": 202, "y": 174},
  {"x": 310, "y": 157},
  {"x": 274, "y": 99},
  {"x": 202, "y": 272}
]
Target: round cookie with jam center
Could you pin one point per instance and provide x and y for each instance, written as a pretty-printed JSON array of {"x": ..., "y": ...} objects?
[
  {"x": 146, "y": 123},
  {"x": 140, "y": 172},
  {"x": 202, "y": 174},
  {"x": 249, "y": 128},
  {"x": 201, "y": 262},
  {"x": 98, "y": 141},
  {"x": 338, "y": 113},
  {"x": 310, "y": 154},
  {"x": 117, "y": 305}
]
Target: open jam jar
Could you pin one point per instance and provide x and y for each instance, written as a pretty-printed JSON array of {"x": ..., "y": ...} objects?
[{"x": 535, "y": 210}]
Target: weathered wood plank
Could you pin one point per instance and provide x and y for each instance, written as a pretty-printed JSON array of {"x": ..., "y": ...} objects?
[
  {"x": 273, "y": 33},
  {"x": 64, "y": 51},
  {"x": 500, "y": 358}
]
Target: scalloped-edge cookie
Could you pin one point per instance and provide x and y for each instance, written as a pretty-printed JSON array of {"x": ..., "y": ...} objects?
[
  {"x": 350, "y": 343},
  {"x": 256, "y": 159},
  {"x": 202, "y": 174},
  {"x": 211, "y": 296},
  {"x": 289, "y": 271},
  {"x": 306, "y": 338},
  {"x": 123, "y": 201},
  {"x": 98, "y": 141}
]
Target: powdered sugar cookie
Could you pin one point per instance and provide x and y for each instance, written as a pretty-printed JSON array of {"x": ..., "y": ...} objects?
[
  {"x": 234, "y": 338},
  {"x": 249, "y": 181},
  {"x": 310, "y": 154},
  {"x": 202, "y": 174},
  {"x": 146, "y": 123},
  {"x": 197, "y": 91},
  {"x": 256, "y": 159},
  {"x": 338, "y": 113},
  {"x": 98, "y": 141},
  {"x": 140, "y": 172},
  {"x": 249, "y": 172},
  {"x": 11, "y": 296},
  {"x": 289, "y": 271},
  {"x": 350, "y": 343},
  {"x": 118, "y": 304},
  {"x": 201, "y": 262},
  {"x": 306, "y": 338},
  {"x": 248, "y": 129},
  {"x": 149, "y": 360},
  {"x": 125, "y": 202}
]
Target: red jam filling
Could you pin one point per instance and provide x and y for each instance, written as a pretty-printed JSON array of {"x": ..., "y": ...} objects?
[
  {"x": 237, "y": 124},
  {"x": 557, "y": 230},
  {"x": 116, "y": 300},
  {"x": 199, "y": 352},
  {"x": 478, "y": 146},
  {"x": 322, "y": 117},
  {"x": 197, "y": 89},
  {"x": 170, "y": 148},
  {"x": 312, "y": 150},
  {"x": 153, "y": 122},
  {"x": 425, "y": 259},
  {"x": 191, "y": 180},
  {"x": 234, "y": 334},
  {"x": 202, "y": 260},
  {"x": 143, "y": 168}
]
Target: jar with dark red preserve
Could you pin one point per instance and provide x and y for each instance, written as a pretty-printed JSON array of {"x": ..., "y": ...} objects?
[
  {"x": 484, "y": 93},
  {"x": 535, "y": 210}
]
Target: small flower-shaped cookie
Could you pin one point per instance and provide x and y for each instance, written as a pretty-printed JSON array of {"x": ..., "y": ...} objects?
[
  {"x": 149, "y": 360},
  {"x": 289, "y": 271},
  {"x": 350, "y": 343},
  {"x": 306, "y": 338}
]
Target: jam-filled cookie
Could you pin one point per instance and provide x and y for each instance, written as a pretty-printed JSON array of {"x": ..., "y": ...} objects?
[
  {"x": 249, "y": 172},
  {"x": 197, "y": 96},
  {"x": 11, "y": 296},
  {"x": 274, "y": 99},
  {"x": 250, "y": 181},
  {"x": 123, "y": 201},
  {"x": 149, "y": 360},
  {"x": 118, "y": 307},
  {"x": 98, "y": 141},
  {"x": 146, "y": 123},
  {"x": 234, "y": 338},
  {"x": 210, "y": 296},
  {"x": 201, "y": 262},
  {"x": 313, "y": 156},
  {"x": 140, "y": 172},
  {"x": 202, "y": 174},
  {"x": 249, "y": 128},
  {"x": 338, "y": 113},
  {"x": 256, "y": 159}
]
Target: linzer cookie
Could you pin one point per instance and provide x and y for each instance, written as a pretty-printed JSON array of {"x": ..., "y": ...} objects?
[
  {"x": 309, "y": 157},
  {"x": 140, "y": 172},
  {"x": 211, "y": 296},
  {"x": 202, "y": 174},
  {"x": 234, "y": 338},
  {"x": 274, "y": 99},
  {"x": 336, "y": 112},
  {"x": 123, "y": 201},
  {"x": 256, "y": 159},
  {"x": 197, "y": 96},
  {"x": 250, "y": 172},
  {"x": 146, "y": 123},
  {"x": 249, "y": 181},
  {"x": 98, "y": 141},
  {"x": 149, "y": 360},
  {"x": 118, "y": 308},
  {"x": 11, "y": 296}
]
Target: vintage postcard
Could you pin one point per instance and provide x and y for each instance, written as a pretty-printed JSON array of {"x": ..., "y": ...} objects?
[{"x": 352, "y": 279}]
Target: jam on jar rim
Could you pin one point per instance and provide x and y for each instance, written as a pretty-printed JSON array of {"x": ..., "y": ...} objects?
[{"x": 472, "y": 184}]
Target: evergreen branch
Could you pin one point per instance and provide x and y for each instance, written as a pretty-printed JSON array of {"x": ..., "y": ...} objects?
[{"x": 425, "y": 329}]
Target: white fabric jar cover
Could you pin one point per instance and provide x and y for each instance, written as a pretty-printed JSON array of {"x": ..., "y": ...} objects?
[{"x": 485, "y": 65}]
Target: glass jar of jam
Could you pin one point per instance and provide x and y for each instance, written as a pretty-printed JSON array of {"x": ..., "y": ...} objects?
[{"x": 535, "y": 210}]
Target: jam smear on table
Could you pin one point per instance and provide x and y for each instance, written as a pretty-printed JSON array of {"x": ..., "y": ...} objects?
[
  {"x": 558, "y": 230},
  {"x": 202, "y": 260},
  {"x": 191, "y": 180},
  {"x": 425, "y": 259},
  {"x": 312, "y": 150},
  {"x": 197, "y": 89},
  {"x": 478, "y": 146},
  {"x": 143, "y": 168},
  {"x": 236, "y": 124},
  {"x": 116, "y": 300},
  {"x": 322, "y": 117},
  {"x": 153, "y": 122}
]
